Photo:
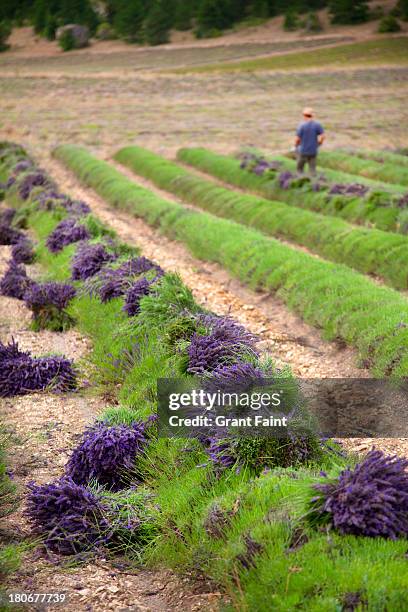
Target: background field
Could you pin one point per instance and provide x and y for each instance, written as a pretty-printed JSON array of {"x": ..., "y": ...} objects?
[{"x": 130, "y": 95}]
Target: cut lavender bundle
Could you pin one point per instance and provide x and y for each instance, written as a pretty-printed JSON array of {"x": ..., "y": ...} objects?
[
  {"x": 138, "y": 290},
  {"x": 224, "y": 345},
  {"x": 22, "y": 166},
  {"x": 15, "y": 281},
  {"x": 29, "y": 181},
  {"x": 67, "y": 232},
  {"x": 50, "y": 199},
  {"x": 352, "y": 189},
  {"x": 20, "y": 373},
  {"x": 107, "y": 454},
  {"x": 23, "y": 252},
  {"x": 285, "y": 179},
  {"x": 7, "y": 215},
  {"x": 118, "y": 281},
  {"x": 48, "y": 301},
  {"x": 368, "y": 500},
  {"x": 77, "y": 208},
  {"x": 69, "y": 517},
  {"x": 238, "y": 377},
  {"x": 89, "y": 259},
  {"x": 9, "y": 235}
]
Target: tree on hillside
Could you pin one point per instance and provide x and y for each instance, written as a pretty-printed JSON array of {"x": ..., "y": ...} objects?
[
  {"x": 214, "y": 15},
  {"x": 78, "y": 11},
  {"x": 129, "y": 18},
  {"x": 183, "y": 15},
  {"x": 40, "y": 16},
  {"x": 260, "y": 8},
  {"x": 158, "y": 23},
  {"x": 348, "y": 11},
  {"x": 15, "y": 10},
  {"x": 402, "y": 8}
]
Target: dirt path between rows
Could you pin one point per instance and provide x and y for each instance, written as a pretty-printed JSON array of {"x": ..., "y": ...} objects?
[{"x": 43, "y": 428}]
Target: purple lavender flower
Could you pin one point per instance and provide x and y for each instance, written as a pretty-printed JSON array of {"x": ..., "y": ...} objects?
[
  {"x": 68, "y": 516},
  {"x": 67, "y": 232},
  {"x": 7, "y": 216},
  {"x": 15, "y": 281},
  {"x": 224, "y": 345},
  {"x": 20, "y": 373},
  {"x": 352, "y": 189},
  {"x": 369, "y": 500},
  {"x": 403, "y": 201},
  {"x": 217, "y": 521},
  {"x": 77, "y": 208},
  {"x": 47, "y": 302},
  {"x": 49, "y": 294},
  {"x": 107, "y": 454},
  {"x": 138, "y": 290},
  {"x": 34, "y": 179},
  {"x": 9, "y": 235},
  {"x": 88, "y": 260},
  {"x": 285, "y": 179},
  {"x": 252, "y": 550},
  {"x": 50, "y": 199},
  {"x": 260, "y": 167},
  {"x": 238, "y": 377},
  {"x": 119, "y": 280},
  {"x": 22, "y": 166},
  {"x": 22, "y": 251},
  {"x": 221, "y": 453}
]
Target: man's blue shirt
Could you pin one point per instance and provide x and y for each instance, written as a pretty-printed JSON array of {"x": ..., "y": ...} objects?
[{"x": 308, "y": 131}]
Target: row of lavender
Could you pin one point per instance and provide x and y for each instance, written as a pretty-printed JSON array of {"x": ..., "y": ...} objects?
[
  {"x": 360, "y": 202},
  {"x": 287, "y": 179},
  {"x": 82, "y": 510}
]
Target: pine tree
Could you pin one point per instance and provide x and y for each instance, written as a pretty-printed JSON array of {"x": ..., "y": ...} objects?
[
  {"x": 291, "y": 21},
  {"x": 183, "y": 16},
  {"x": 158, "y": 23},
  {"x": 50, "y": 27},
  {"x": 213, "y": 15},
  {"x": 402, "y": 7},
  {"x": 5, "y": 31},
  {"x": 260, "y": 8},
  {"x": 40, "y": 16},
  {"x": 348, "y": 11},
  {"x": 129, "y": 18}
]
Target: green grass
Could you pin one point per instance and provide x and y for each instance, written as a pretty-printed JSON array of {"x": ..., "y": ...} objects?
[
  {"x": 388, "y": 171},
  {"x": 317, "y": 575},
  {"x": 342, "y": 303},
  {"x": 396, "y": 159},
  {"x": 377, "y": 210},
  {"x": 368, "y": 53},
  {"x": 366, "y": 250}
]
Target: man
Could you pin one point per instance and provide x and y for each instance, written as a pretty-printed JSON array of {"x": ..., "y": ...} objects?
[{"x": 309, "y": 136}]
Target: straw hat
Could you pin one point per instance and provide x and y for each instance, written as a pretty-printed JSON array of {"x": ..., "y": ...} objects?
[{"x": 308, "y": 112}]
